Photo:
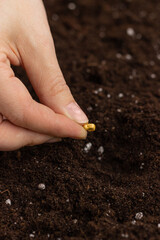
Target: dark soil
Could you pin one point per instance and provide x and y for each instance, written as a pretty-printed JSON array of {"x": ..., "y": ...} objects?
[{"x": 92, "y": 195}]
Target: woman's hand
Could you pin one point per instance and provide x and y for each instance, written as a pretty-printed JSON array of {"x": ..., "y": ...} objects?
[{"x": 25, "y": 39}]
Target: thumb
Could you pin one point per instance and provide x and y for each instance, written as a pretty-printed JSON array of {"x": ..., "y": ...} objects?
[{"x": 48, "y": 82}]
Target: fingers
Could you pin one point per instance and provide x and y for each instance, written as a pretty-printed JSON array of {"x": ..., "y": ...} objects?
[
  {"x": 13, "y": 137},
  {"x": 19, "y": 108},
  {"x": 47, "y": 79}
]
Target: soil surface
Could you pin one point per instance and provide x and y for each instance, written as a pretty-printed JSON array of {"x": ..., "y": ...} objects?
[{"x": 109, "y": 52}]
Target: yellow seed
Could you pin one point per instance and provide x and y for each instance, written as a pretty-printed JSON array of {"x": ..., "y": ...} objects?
[{"x": 90, "y": 127}]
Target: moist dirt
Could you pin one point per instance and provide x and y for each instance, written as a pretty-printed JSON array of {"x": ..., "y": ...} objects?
[{"x": 107, "y": 186}]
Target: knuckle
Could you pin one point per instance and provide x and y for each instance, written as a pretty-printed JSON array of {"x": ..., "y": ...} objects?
[
  {"x": 25, "y": 109},
  {"x": 20, "y": 117},
  {"x": 5, "y": 65},
  {"x": 58, "y": 86},
  {"x": 3, "y": 57}
]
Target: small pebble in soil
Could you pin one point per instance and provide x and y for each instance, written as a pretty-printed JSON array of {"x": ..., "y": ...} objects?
[
  {"x": 142, "y": 166},
  {"x": 67, "y": 200},
  {"x": 98, "y": 90},
  {"x": 75, "y": 221},
  {"x": 125, "y": 235},
  {"x": 158, "y": 225},
  {"x": 120, "y": 95},
  {"x": 119, "y": 110},
  {"x": 131, "y": 77},
  {"x": 95, "y": 91},
  {"x": 89, "y": 109},
  {"x": 128, "y": 57},
  {"x": 108, "y": 95},
  {"x": 71, "y": 6},
  {"x": 153, "y": 75},
  {"x": 152, "y": 63},
  {"x": 55, "y": 17},
  {"x": 133, "y": 222},
  {"x": 87, "y": 147},
  {"x": 158, "y": 56},
  {"x": 31, "y": 235},
  {"x": 41, "y": 186},
  {"x": 118, "y": 55},
  {"x": 130, "y": 32},
  {"x": 8, "y": 201},
  {"x": 139, "y": 36},
  {"x": 101, "y": 150},
  {"x": 48, "y": 235},
  {"x": 139, "y": 215},
  {"x": 143, "y": 194}
]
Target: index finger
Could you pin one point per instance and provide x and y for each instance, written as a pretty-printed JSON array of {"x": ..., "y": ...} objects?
[{"x": 17, "y": 105}]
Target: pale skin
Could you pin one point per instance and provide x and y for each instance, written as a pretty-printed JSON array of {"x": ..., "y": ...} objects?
[{"x": 26, "y": 40}]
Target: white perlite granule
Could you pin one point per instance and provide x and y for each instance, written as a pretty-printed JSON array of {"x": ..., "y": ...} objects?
[
  {"x": 75, "y": 221},
  {"x": 71, "y": 6},
  {"x": 153, "y": 75},
  {"x": 41, "y": 186},
  {"x": 133, "y": 222},
  {"x": 87, "y": 147},
  {"x": 101, "y": 150},
  {"x": 118, "y": 55},
  {"x": 139, "y": 215},
  {"x": 31, "y": 235},
  {"x": 8, "y": 201},
  {"x": 120, "y": 95},
  {"x": 125, "y": 235},
  {"x": 158, "y": 56},
  {"x": 128, "y": 57},
  {"x": 130, "y": 32}
]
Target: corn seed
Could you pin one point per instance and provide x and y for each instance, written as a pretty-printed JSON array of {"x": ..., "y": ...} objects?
[{"x": 90, "y": 127}]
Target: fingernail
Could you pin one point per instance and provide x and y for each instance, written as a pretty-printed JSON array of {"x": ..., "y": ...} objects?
[
  {"x": 75, "y": 113},
  {"x": 53, "y": 140}
]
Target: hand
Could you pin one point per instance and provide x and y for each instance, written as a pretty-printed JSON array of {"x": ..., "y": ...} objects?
[{"x": 25, "y": 39}]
